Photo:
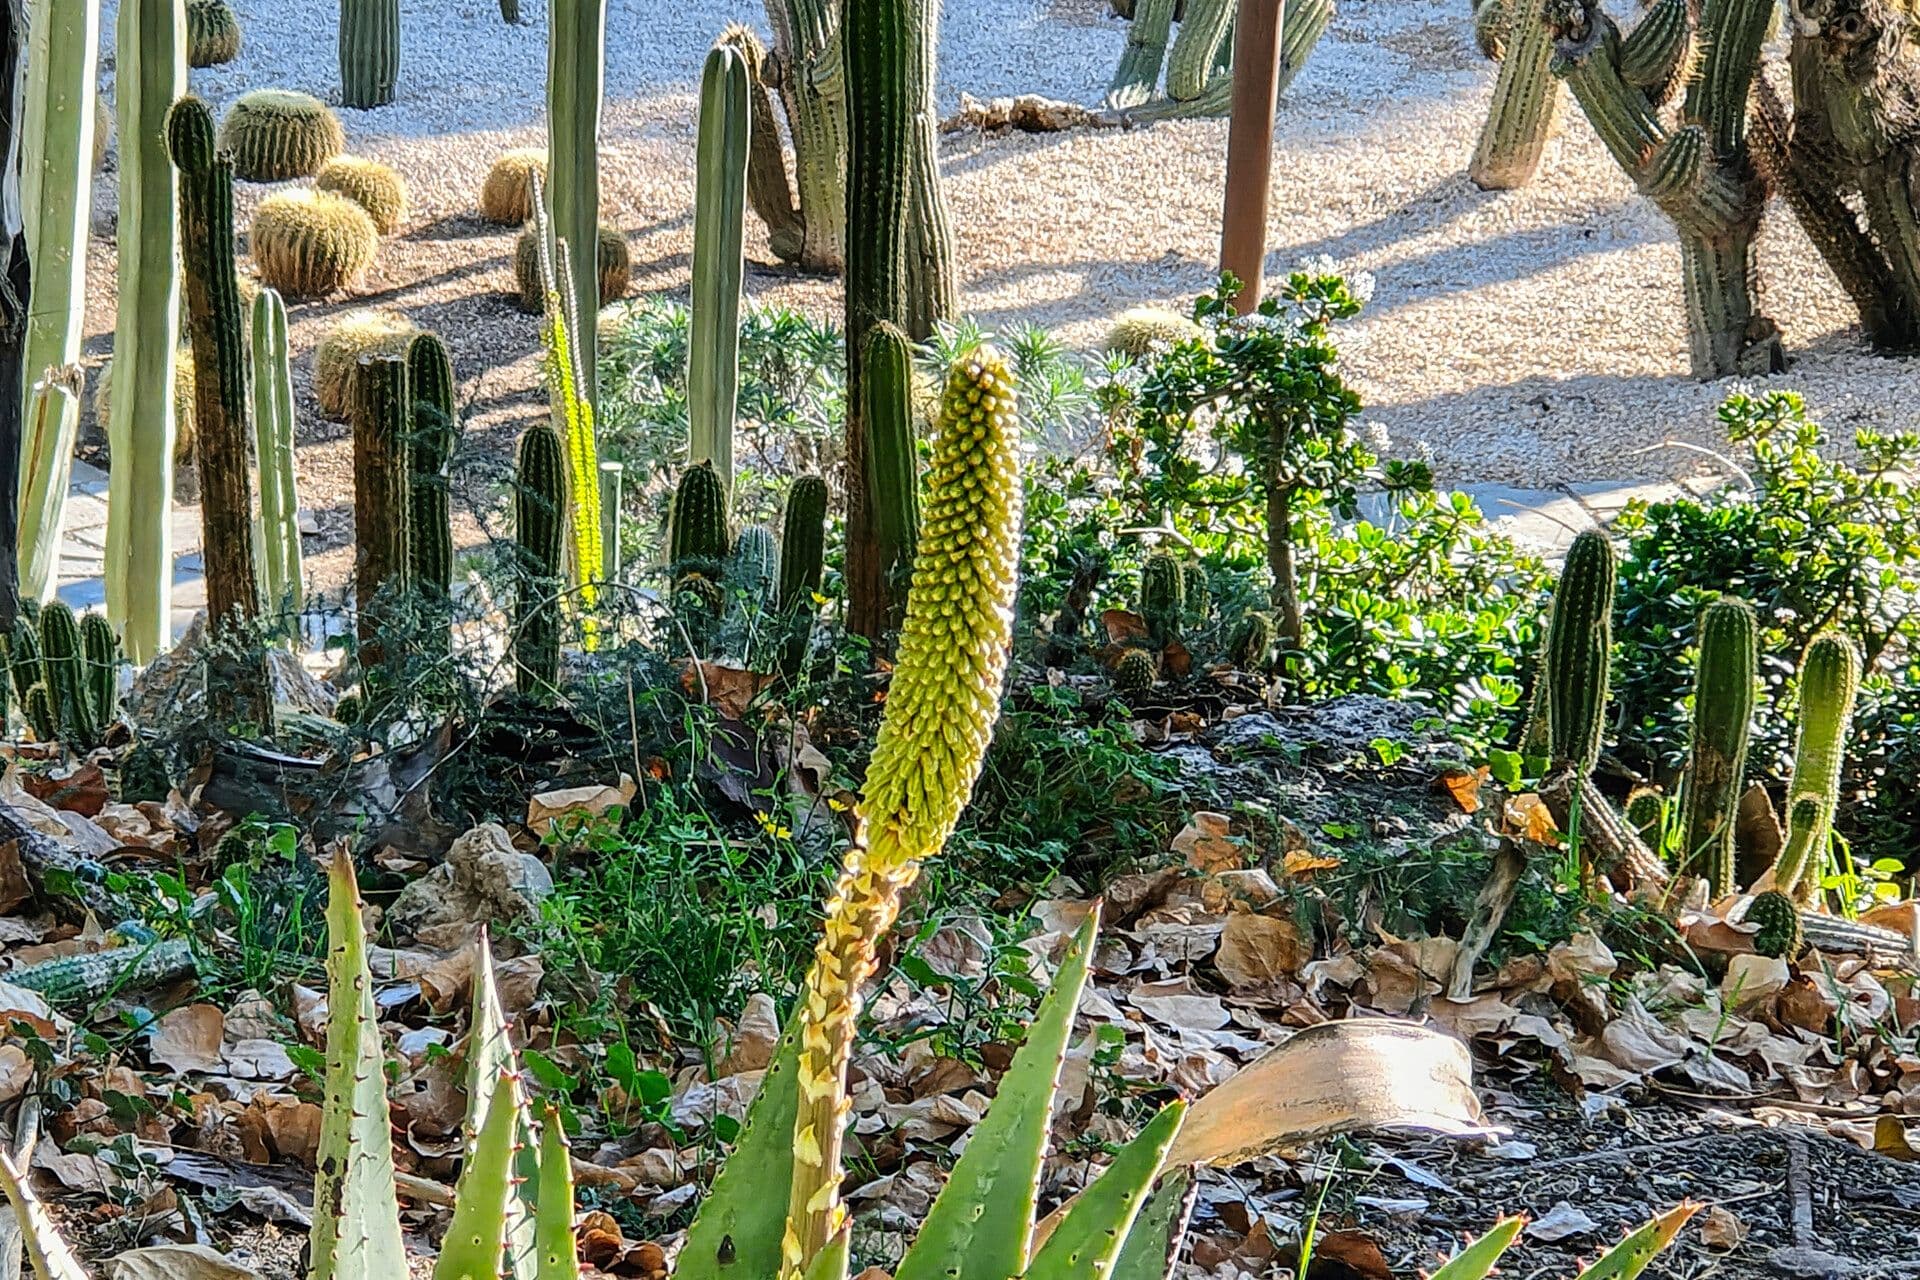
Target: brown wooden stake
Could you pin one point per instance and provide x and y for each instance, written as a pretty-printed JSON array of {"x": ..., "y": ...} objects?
[{"x": 1256, "y": 94}]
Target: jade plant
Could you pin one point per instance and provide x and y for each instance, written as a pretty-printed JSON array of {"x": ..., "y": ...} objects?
[{"x": 1723, "y": 697}]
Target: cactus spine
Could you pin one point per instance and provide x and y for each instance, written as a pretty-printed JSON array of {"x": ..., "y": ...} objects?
[
  {"x": 540, "y": 502},
  {"x": 101, "y": 648},
  {"x": 281, "y": 577},
  {"x": 893, "y": 463},
  {"x": 56, "y": 186},
  {"x": 1722, "y": 719},
  {"x": 1579, "y": 648},
  {"x": 46, "y": 470},
  {"x": 697, "y": 539},
  {"x": 576, "y": 75},
  {"x": 430, "y": 444},
  {"x": 151, "y": 71},
  {"x": 1829, "y": 680},
  {"x": 1163, "y": 597},
  {"x": 369, "y": 52},
  {"x": 382, "y": 422},
  {"x": 719, "y": 217},
  {"x": 1526, "y": 98}
]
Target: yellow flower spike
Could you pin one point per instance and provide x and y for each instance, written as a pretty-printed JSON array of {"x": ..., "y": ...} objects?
[{"x": 941, "y": 706}]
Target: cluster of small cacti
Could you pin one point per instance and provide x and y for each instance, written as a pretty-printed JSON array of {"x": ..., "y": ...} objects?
[
  {"x": 309, "y": 243},
  {"x": 213, "y": 33},
  {"x": 338, "y": 357},
  {"x": 276, "y": 134},
  {"x": 530, "y": 293},
  {"x": 66, "y": 674},
  {"x": 1140, "y": 330},
  {"x": 506, "y": 197},
  {"x": 1723, "y": 694},
  {"x": 373, "y": 186}
]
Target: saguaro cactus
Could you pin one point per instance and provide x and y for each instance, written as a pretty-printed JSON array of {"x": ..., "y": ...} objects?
[
  {"x": 1579, "y": 649},
  {"x": 719, "y": 216},
  {"x": 382, "y": 422},
  {"x": 1699, "y": 172},
  {"x": 540, "y": 498},
  {"x": 369, "y": 52},
  {"x": 1526, "y": 99},
  {"x": 281, "y": 576},
  {"x": 1829, "y": 680},
  {"x": 576, "y": 76},
  {"x": 151, "y": 71},
  {"x": 1722, "y": 720},
  {"x": 893, "y": 464},
  {"x": 430, "y": 538}
]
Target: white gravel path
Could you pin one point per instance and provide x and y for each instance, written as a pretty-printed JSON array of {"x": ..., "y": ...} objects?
[{"x": 1528, "y": 337}]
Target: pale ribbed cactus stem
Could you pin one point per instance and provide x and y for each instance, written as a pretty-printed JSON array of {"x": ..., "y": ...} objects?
[
  {"x": 576, "y": 76},
  {"x": 281, "y": 576},
  {"x": 769, "y": 192},
  {"x": 150, "y": 73},
  {"x": 1829, "y": 681},
  {"x": 1526, "y": 99},
  {"x": 369, "y": 52},
  {"x": 56, "y": 186},
  {"x": 382, "y": 420},
  {"x": 813, "y": 86},
  {"x": 46, "y": 469},
  {"x": 719, "y": 221},
  {"x": 931, "y": 292}
]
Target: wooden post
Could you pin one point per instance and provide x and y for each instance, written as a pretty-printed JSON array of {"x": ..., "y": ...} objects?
[{"x": 1256, "y": 94}]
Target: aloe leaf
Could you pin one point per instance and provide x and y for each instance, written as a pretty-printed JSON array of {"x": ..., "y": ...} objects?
[
  {"x": 356, "y": 1215},
  {"x": 477, "y": 1238},
  {"x": 1475, "y": 1260},
  {"x": 831, "y": 1262},
  {"x": 1089, "y": 1238},
  {"x": 51, "y": 1258},
  {"x": 492, "y": 1061},
  {"x": 1630, "y": 1257},
  {"x": 1150, "y": 1248},
  {"x": 553, "y": 1216},
  {"x": 738, "y": 1229}
]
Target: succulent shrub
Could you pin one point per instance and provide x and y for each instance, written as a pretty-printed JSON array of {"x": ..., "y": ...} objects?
[
  {"x": 310, "y": 243},
  {"x": 507, "y": 194},
  {"x": 213, "y": 33},
  {"x": 276, "y": 134},
  {"x": 373, "y": 186},
  {"x": 353, "y": 337},
  {"x": 616, "y": 270}
]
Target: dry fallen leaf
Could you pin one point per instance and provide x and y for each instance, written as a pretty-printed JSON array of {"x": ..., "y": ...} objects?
[
  {"x": 1528, "y": 817},
  {"x": 1257, "y": 951},
  {"x": 1299, "y": 862},
  {"x": 16, "y": 1072},
  {"x": 1562, "y": 1222},
  {"x": 1205, "y": 844},
  {"x": 177, "y": 1262},
  {"x": 1464, "y": 786},
  {"x": 1720, "y": 1228},
  {"x": 545, "y": 806},
  {"x": 188, "y": 1039}
]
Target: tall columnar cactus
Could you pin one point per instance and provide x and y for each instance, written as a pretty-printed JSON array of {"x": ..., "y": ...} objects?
[
  {"x": 1137, "y": 78},
  {"x": 697, "y": 537},
  {"x": 64, "y": 669},
  {"x": 540, "y": 510},
  {"x": 1699, "y": 171},
  {"x": 1200, "y": 66},
  {"x": 1163, "y": 596},
  {"x": 932, "y": 292},
  {"x": 1723, "y": 689},
  {"x": 612, "y": 480},
  {"x": 576, "y": 75},
  {"x": 1829, "y": 680},
  {"x": 893, "y": 461},
  {"x": 719, "y": 223},
  {"x": 281, "y": 576},
  {"x": 218, "y": 327},
  {"x": 46, "y": 469},
  {"x": 150, "y": 72},
  {"x": 101, "y": 650},
  {"x": 1526, "y": 98},
  {"x": 944, "y": 698},
  {"x": 1579, "y": 649},
  {"x": 382, "y": 423},
  {"x": 813, "y": 89},
  {"x": 803, "y": 536},
  {"x": 430, "y": 445},
  {"x": 369, "y": 52},
  {"x": 753, "y": 565},
  {"x": 56, "y": 186}
]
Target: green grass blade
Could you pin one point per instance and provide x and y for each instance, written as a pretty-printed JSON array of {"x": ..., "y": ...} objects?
[
  {"x": 1477, "y": 1258},
  {"x": 1630, "y": 1257},
  {"x": 1089, "y": 1238},
  {"x": 997, "y": 1177},
  {"x": 1157, "y": 1233},
  {"x": 553, "y": 1219},
  {"x": 51, "y": 1258},
  {"x": 477, "y": 1238}
]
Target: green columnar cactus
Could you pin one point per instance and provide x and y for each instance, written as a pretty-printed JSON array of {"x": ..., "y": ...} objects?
[
  {"x": 719, "y": 215},
  {"x": 382, "y": 424},
  {"x": 697, "y": 538},
  {"x": 369, "y": 52},
  {"x": 932, "y": 294},
  {"x": 768, "y": 193},
  {"x": 1252, "y": 642},
  {"x": 63, "y": 664},
  {"x": 281, "y": 576},
  {"x": 893, "y": 461},
  {"x": 276, "y": 134},
  {"x": 1301, "y": 27},
  {"x": 813, "y": 88},
  {"x": 1579, "y": 649},
  {"x": 1779, "y": 934},
  {"x": 101, "y": 649},
  {"x": 540, "y": 511},
  {"x": 218, "y": 328},
  {"x": 46, "y": 470},
  {"x": 1137, "y": 78},
  {"x": 1722, "y": 719},
  {"x": 1191, "y": 60},
  {"x": 803, "y": 534},
  {"x": 430, "y": 445},
  {"x": 23, "y": 654},
  {"x": 56, "y": 186},
  {"x": 1646, "y": 813},
  {"x": 1829, "y": 680},
  {"x": 576, "y": 74},
  {"x": 1699, "y": 172},
  {"x": 150, "y": 72},
  {"x": 1136, "y": 671},
  {"x": 1525, "y": 101},
  {"x": 612, "y": 478},
  {"x": 754, "y": 564},
  {"x": 1163, "y": 597},
  {"x": 39, "y": 710},
  {"x": 1196, "y": 591}
]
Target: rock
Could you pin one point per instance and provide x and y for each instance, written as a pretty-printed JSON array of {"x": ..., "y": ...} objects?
[
  {"x": 1339, "y": 727},
  {"x": 1810, "y": 1264},
  {"x": 484, "y": 879}
]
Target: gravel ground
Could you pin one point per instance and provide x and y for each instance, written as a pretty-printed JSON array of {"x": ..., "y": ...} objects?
[{"x": 1530, "y": 337}]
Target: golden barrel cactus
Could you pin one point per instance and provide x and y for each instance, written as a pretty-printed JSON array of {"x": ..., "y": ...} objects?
[
  {"x": 616, "y": 270},
  {"x": 373, "y": 186},
  {"x": 357, "y": 335},
  {"x": 276, "y": 134},
  {"x": 309, "y": 243},
  {"x": 507, "y": 195}
]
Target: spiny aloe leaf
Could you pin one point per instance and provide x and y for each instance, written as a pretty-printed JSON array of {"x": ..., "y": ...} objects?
[
  {"x": 356, "y": 1215},
  {"x": 1150, "y": 1248},
  {"x": 52, "y": 1259},
  {"x": 738, "y": 1229},
  {"x": 997, "y": 1177},
  {"x": 477, "y": 1238},
  {"x": 1477, "y": 1258},
  {"x": 831, "y": 1262},
  {"x": 1630, "y": 1257},
  {"x": 553, "y": 1217},
  {"x": 490, "y": 1061},
  {"x": 1089, "y": 1238}
]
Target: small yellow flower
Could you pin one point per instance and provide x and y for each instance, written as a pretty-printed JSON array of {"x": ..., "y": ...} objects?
[{"x": 772, "y": 828}]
